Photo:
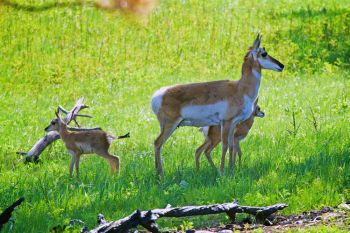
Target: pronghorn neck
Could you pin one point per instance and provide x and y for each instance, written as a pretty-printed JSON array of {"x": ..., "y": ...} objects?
[{"x": 251, "y": 77}]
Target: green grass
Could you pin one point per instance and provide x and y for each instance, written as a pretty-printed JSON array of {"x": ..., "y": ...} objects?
[{"x": 55, "y": 56}]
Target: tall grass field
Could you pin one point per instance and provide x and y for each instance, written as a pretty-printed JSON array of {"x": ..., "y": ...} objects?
[{"x": 299, "y": 154}]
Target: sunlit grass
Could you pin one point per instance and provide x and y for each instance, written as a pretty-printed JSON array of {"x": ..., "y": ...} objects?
[{"x": 56, "y": 56}]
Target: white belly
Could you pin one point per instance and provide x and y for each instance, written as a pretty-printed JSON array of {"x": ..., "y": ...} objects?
[
  {"x": 204, "y": 115},
  {"x": 84, "y": 148}
]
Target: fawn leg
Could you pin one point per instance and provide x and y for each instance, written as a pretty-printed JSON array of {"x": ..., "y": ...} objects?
[
  {"x": 72, "y": 162},
  {"x": 200, "y": 150},
  {"x": 208, "y": 151},
  {"x": 116, "y": 162},
  {"x": 233, "y": 159},
  {"x": 112, "y": 160},
  {"x": 77, "y": 164}
]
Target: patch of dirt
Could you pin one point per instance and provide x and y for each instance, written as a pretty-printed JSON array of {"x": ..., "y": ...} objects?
[{"x": 328, "y": 216}]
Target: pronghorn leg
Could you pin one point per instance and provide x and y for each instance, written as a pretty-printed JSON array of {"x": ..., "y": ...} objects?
[
  {"x": 225, "y": 127},
  {"x": 208, "y": 152},
  {"x": 231, "y": 143},
  {"x": 199, "y": 151},
  {"x": 77, "y": 160},
  {"x": 166, "y": 131}
]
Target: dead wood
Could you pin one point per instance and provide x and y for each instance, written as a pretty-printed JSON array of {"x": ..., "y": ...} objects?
[
  {"x": 147, "y": 219},
  {"x": 6, "y": 214}
]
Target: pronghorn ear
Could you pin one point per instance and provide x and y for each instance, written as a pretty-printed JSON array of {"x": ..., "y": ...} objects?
[{"x": 257, "y": 41}]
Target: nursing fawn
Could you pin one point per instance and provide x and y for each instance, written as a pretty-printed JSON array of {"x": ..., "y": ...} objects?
[
  {"x": 213, "y": 137},
  {"x": 226, "y": 103},
  {"x": 85, "y": 142}
]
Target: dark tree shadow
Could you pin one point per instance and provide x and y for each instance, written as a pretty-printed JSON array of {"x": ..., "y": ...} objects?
[
  {"x": 45, "y": 7},
  {"x": 321, "y": 37}
]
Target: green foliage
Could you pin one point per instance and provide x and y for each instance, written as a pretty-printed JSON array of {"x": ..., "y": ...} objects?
[
  {"x": 53, "y": 57},
  {"x": 186, "y": 225}
]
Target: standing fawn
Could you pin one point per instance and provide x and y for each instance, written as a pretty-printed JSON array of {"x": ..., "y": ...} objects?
[
  {"x": 225, "y": 103},
  {"x": 213, "y": 137},
  {"x": 85, "y": 142}
]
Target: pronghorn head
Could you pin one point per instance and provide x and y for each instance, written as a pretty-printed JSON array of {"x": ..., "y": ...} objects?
[
  {"x": 263, "y": 58},
  {"x": 55, "y": 124}
]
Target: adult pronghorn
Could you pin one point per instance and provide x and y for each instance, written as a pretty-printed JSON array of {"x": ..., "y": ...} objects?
[{"x": 225, "y": 102}]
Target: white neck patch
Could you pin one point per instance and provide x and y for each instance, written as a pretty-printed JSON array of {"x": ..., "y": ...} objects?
[{"x": 256, "y": 74}]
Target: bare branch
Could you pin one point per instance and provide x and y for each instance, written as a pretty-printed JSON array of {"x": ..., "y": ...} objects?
[
  {"x": 6, "y": 215},
  {"x": 83, "y": 129},
  {"x": 21, "y": 153},
  {"x": 147, "y": 218},
  {"x": 83, "y": 115},
  {"x": 76, "y": 123},
  {"x": 62, "y": 109}
]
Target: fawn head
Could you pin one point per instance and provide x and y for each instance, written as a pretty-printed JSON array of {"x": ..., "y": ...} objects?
[
  {"x": 258, "y": 112},
  {"x": 263, "y": 58},
  {"x": 55, "y": 124}
]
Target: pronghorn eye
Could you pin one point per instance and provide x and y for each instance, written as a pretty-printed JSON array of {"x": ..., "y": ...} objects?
[{"x": 264, "y": 54}]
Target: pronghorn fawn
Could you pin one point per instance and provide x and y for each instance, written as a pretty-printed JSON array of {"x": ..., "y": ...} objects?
[
  {"x": 226, "y": 103},
  {"x": 213, "y": 137},
  {"x": 85, "y": 142}
]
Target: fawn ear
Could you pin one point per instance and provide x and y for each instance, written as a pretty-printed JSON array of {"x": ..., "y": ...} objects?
[{"x": 57, "y": 113}]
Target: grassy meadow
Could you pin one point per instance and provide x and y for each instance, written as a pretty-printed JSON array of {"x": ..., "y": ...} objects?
[{"x": 55, "y": 56}]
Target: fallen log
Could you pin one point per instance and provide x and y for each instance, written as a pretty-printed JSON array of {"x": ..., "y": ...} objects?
[
  {"x": 147, "y": 219},
  {"x": 33, "y": 154},
  {"x": 6, "y": 214}
]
